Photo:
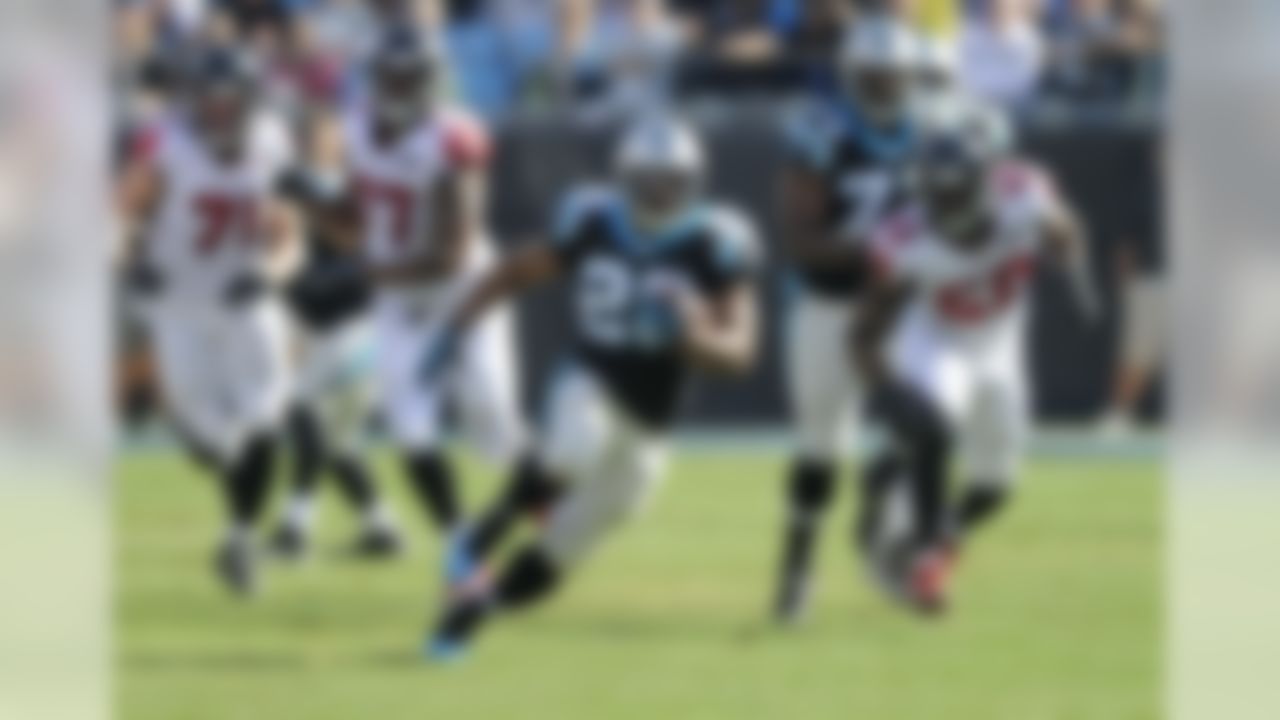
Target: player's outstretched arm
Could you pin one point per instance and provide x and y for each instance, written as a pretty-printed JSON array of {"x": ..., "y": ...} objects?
[
  {"x": 722, "y": 334},
  {"x": 1065, "y": 242},
  {"x": 522, "y": 270}
]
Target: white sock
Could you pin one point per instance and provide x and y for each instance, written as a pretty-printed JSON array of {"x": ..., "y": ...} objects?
[
  {"x": 301, "y": 512},
  {"x": 378, "y": 517},
  {"x": 238, "y": 535}
]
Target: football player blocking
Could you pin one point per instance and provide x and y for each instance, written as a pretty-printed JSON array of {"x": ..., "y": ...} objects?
[
  {"x": 214, "y": 244},
  {"x": 662, "y": 283},
  {"x": 211, "y": 238}
]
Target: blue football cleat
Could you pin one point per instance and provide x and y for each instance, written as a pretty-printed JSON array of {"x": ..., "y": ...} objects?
[
  {"x": 459, "y": 565},
  {"x": 443, "y": 651}
]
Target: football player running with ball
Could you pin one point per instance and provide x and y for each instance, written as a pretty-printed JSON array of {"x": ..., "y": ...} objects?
[
  {"x": 662, "y": 283},
  {"x": 939, "y": 344}
]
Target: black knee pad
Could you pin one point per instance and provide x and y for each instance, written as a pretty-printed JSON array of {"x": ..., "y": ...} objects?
[
  {"x": 811, "y": 485},
  {"x": 533, "y": 488},
  {"x": 529, "y": 578},
  {"x": 980, "y": 503}
]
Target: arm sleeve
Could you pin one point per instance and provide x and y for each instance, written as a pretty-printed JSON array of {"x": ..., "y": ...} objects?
[
  {"x": 575, "y": 214},
  {"x": 467, "y": 143},
  {"x": 807, "y": 136},
  {"x": 737, "y": 255},
  {"x": 146, "y": 145}
]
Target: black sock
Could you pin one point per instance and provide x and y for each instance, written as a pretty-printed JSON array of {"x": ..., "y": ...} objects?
[
  {"x": 355, "y": 481},
  {"x": 308, "y": 450},
  {"x": 809, "y": 490},
  {"x": 248, "y": 481},
  {"x": 980, "y": 504},
  {"x": 530, "y": 577},
  {"x": 928, "y": 473},
  {"x": 878, "y": 477},
  {"x": 530, "y": 490},
  {"x": 432, "y": 479}
]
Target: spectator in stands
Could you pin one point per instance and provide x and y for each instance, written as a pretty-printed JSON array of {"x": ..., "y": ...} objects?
[
  {"x": 1001, "y": 51},
  {"x": 262, "y": 24},
  {"x": 738, "y": 31},
  {"x": 499, "y": 47},
  {"x": 1100, "y": 49},
  {"x": 815, "y": 29},
  {"x": 626, "y": 62},
  {"x": 1141, "y": 294}
]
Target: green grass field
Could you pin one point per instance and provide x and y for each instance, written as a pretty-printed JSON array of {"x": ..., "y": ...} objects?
[{"x": 1057, "y": 615}]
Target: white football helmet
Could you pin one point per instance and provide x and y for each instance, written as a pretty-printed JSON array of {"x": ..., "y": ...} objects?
[
  {"x": 660, "y": 164},
  {"x": 939, "y": 62},
  {"x": 878, "y": 61}
]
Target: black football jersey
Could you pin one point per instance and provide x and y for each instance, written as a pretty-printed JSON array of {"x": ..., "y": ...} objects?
[
  {"x": 616, "y": 276},
  {"x": 328, "y": 290},
  {"x": 864, "y": 170}
]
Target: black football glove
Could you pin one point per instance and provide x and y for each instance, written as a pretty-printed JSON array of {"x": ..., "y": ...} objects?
[
  {"x": 143, "y": 279},
  {"x": 245, "y": 288}
]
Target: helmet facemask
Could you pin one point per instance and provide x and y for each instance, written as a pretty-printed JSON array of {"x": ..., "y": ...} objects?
[
  {"x": 659, "y": 196},
  {"x": 882, "y": 92},
  {"x": 221, "y": 113},
  {"x": 660, "y": 169},
  {"x": 402, "y": 92},
  {"x": 955, "y": 194}
]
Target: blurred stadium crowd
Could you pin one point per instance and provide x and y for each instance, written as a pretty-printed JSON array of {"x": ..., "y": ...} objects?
[{"x": 599, "y": 59}]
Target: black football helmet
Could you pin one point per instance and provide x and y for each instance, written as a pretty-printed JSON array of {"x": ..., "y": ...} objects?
[
  {"x": 955, "y": 153},
  {"x": 221, "y": 88},
  {"x": 404, "y": 75}
]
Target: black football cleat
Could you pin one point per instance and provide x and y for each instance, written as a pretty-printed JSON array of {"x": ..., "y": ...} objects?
[
  {"x": 236, "y": 566},
  {"x": 378, "y": 543},
  {"x": 791, "y": 606},
  {"x": 290, "y": 543}
]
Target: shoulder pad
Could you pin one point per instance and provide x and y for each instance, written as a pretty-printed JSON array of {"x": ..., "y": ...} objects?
[
  {"x": 1024, "y": 185},
  {"x": 736, "y": 241},
  {"x": 465, "y": 140},
  {"x": 578, "y": 207},
  {"x": 147, "y": 143},
  {"x": 812, "y": 131}
]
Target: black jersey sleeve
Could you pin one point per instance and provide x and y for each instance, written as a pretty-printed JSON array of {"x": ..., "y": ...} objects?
[
  {"x": 811, "y": 136},
  {"x": 734, "y": 252},
  {"x": 578, "y": 219}
]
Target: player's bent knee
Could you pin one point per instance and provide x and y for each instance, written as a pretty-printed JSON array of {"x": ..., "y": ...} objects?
[{"x": 533, "y": 487}]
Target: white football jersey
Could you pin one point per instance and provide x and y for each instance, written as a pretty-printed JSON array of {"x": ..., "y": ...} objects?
[
  {"x": 393, "y": 180},
  {"x": 979, "y": 291},
  {"x": 207, "y": 227}
]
